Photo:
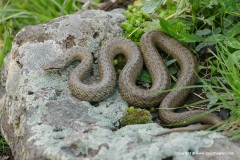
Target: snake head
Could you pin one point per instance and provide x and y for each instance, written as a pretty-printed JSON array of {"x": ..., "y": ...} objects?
[
  {"x": 53, "y": 66},
  {"x": 50, "y": 68}
]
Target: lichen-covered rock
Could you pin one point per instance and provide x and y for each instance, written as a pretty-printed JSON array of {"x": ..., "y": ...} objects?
[{"x": 41, "y": 120}]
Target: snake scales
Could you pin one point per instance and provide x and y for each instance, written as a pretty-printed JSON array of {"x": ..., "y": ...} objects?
[{"x": 127, "y": 79}]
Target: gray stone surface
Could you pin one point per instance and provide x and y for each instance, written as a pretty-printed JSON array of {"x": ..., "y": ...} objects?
[
  {"x": 221, "y": 149},
  {"x": 41, "y": 120}
]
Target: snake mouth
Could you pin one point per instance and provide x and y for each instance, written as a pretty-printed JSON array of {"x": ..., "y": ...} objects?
[{"x": 50, "y": 69}]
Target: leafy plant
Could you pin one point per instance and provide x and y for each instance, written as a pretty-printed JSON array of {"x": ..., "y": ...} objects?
[
  {"x": 210, "y": 28},
  {"x": 133, "y": 26}
]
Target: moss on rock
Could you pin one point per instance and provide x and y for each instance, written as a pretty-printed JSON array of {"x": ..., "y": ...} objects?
[{"x": 138, "y": 116}]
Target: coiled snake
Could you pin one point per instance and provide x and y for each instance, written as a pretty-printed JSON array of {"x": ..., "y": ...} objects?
[{"x": 127, "y": 79}]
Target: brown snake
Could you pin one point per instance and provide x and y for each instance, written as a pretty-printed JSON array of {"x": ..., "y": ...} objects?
[{"x": 127, "y": 79}]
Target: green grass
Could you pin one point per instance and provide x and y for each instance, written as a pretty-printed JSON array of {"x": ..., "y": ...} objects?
[
  {"x": 4, "y": 148},
  {"x": 15, "y": 14},
  {"x": 228, "y": 82}
]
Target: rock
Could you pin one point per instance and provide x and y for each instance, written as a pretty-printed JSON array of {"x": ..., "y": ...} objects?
[
  {"x": 40, "y": 119},
  {"x": 221, "y": 149}
]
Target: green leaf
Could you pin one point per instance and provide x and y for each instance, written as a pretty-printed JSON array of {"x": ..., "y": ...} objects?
[
  {"x": 214, "y": 39},
  {"x": 151, "y": 25},
  {"x": 212, "y": 3},
  {"x": 235, "y": 30},
  {"x": 217, "y": 30},
  {"x": 228, "y": 21},
  {"x": 233, "y": 9},
  {"x": 200, "y": 46},
  {"x": 203, "y": 32},
  {"x": 210, "y": 20},
  {"x": 232, "y": 42},
  {"x": 173, "y": 70},
  {"x": 213, "y": 99},
  {"x": 151, "y": 6},
  {"x": 168, "y": 63},
  {"x": 234, "y": 14},
  {"x": 222, "y": 3},
  {"x": 185, "y": 37},
  {"x": 234, "y": 58},
  {"x": 145, "y": 77},
  {"x": 168, "y": 28},
  {"x": 236, "y": 55}
]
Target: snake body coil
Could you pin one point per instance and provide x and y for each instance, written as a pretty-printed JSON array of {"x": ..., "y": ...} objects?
[{"x": 127, "y": 79}]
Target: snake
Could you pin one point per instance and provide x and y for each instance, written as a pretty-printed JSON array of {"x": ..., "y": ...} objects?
[{"x": 147, "y": 53}]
